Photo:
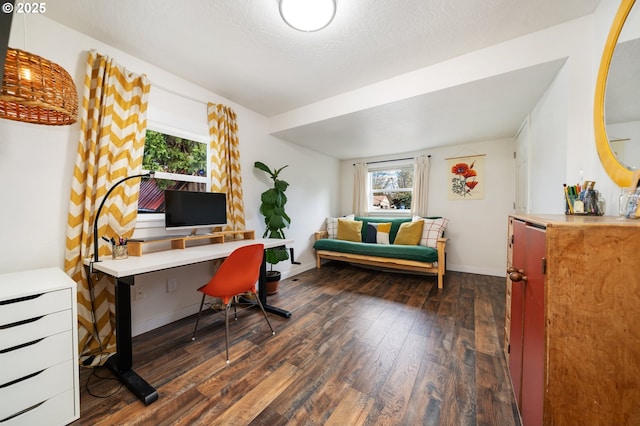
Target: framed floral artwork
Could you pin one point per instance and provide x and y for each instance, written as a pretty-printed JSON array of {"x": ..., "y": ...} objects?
[{"x": 466, "y": 177}]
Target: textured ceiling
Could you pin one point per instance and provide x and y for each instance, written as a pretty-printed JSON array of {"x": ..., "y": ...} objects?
[
  {"x": 471, "y": 112},
  {"x": 242, "y": 50}
]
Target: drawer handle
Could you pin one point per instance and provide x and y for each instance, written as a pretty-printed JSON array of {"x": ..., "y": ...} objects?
[
  {"x": 4, "y": 351},
  {"x": 15, "y": 324},
  {"x": 19, "y": 413},
  {"x": 20, "y": 299},
  {"x": 13, "y": 382}
]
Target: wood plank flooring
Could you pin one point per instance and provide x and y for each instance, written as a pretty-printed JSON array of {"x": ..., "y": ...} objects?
[{"x": 362, "y": 347}]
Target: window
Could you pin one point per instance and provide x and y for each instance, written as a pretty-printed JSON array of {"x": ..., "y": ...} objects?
[
  {"x": 178, "y": 162},
  {"x": 391, "y": 188}
]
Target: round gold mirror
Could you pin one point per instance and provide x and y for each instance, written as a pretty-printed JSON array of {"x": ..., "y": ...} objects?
[{"x": 622, "y": 175}]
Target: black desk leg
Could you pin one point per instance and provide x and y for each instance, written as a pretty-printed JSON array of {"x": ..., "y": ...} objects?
[
  {"x": 262, "y": 293},
  {"x": 120, "y": 363}
]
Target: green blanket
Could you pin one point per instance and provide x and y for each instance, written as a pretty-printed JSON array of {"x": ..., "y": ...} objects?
[{"x": 417, "y": 253}]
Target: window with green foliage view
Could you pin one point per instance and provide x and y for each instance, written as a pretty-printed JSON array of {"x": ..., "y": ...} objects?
[
  {"x": 171, "y": 154},
  {"x": 178, "y": 163}
]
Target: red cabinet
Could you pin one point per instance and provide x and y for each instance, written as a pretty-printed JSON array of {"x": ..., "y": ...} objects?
[
  {"x": 515, "y": 330},
  {"x": 572, "y": 315},
  {"x": 526, "y": 351}
]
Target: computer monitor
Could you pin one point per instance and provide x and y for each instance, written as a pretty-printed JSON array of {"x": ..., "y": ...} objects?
[{"x": 193, "y": 210}]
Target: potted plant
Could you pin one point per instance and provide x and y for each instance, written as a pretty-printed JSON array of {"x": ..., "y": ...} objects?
[{"x": 275, "y": 219}]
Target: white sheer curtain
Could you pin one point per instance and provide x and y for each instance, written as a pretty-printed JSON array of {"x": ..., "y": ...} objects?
[
  {"x": 360, "y": 195},
  {"x": 421, "y": 168}
]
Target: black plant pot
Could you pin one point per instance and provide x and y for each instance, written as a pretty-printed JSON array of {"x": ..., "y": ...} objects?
[{"x": 273, "y": 279}]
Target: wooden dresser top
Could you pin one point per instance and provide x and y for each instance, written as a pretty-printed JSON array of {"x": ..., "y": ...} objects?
[{"x": 576, "y": 220}]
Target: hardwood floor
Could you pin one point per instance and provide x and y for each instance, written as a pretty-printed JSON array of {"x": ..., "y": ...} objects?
[{"x": 362, "y": 347}]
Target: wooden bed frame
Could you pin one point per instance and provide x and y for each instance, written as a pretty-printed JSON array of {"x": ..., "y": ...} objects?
[{"x": 437, "y": 268}]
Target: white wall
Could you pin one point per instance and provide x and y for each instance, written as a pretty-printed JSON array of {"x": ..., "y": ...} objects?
[
  {"x": 477, "y": 229},
  {"x": 36, "y": 164},
  {"x": 548, "y": 148}
]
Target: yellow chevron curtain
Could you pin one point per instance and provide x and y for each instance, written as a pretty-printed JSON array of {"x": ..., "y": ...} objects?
[
  {"x": 225, "y": 161},
  {"x": 111, "y": 147}
]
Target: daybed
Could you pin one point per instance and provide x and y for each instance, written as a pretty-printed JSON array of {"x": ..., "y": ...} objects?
[{"x": 427, "y": 256}]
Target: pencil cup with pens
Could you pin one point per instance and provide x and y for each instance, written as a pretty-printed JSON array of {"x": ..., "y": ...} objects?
[
  {"x": 583, "y": 200},
  {"x": 119, "y": 248}
]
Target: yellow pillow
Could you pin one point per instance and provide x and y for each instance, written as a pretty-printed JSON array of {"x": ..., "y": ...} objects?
[
  {"x": 409, "y": 233},
  {"x": 350, "y": 230}
]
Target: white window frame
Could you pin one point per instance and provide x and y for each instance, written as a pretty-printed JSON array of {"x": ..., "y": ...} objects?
[
  {"x": 382, "y": 166},
  {"x": 156, "y": 220}
]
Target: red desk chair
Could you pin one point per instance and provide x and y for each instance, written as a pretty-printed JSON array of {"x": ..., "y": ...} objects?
[{"x": 237, "y": 275}]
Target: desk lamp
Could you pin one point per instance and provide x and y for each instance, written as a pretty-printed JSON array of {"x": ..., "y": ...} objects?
[{"x": 95, "y": 221}]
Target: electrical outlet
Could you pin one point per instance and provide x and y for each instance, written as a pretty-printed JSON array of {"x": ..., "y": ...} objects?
[
  {"x": 172, "y": 285},
  {"x": 139, "y": 292}
]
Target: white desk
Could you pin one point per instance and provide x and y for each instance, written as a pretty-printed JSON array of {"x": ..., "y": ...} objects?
[{"x": 125, "y": 270}]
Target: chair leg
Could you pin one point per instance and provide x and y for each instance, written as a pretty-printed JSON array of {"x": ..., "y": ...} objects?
[
  {"x": 226, "y": 324},
  {"x": 235, "y": 308},
  {"x": 273, "y": 333},
  {"x": 198, "y": 318}
]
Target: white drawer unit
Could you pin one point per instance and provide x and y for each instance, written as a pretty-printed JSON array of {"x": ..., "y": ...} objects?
[{"x": 38, "y": 348}]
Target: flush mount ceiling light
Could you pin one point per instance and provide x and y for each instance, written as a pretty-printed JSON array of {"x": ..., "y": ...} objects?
[
  {"x": 35, "y": 90},
  {"x": 307, "y": 15}
]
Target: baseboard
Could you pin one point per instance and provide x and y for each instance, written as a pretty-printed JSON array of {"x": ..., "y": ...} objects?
[
  {"x": 476, "y": 270},
  {"x": 163, "y": 319},
  {"x": 297, "y": 269}
]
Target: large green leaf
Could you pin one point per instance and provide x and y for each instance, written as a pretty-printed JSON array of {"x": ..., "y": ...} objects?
[
  {"x": 267, "y": 210},
  {"x": 270, "y": 196},
  {"x": 279, "y": 211},
  {"x": 263, "y": 167},
  {"x": 276, "y": 222},
  {"x": 281, "y": 185},
  {"x": 276, "y": 255},
  {"x": 281, "y": 200}
]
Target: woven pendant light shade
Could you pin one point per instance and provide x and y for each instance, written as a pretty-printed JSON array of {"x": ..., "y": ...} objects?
[{"x": 35, "y": 90}]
